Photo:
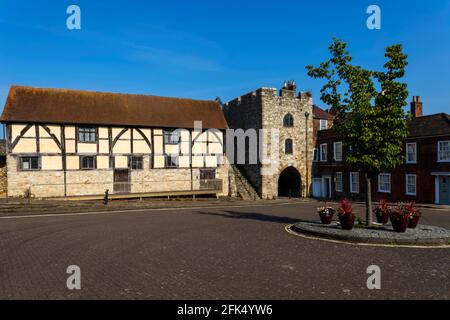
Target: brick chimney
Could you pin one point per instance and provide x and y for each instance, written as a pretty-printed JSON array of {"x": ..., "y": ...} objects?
[{"x": 416, "y": 107}]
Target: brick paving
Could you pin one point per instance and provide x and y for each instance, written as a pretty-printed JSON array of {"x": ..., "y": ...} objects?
[{"x": 208, "y": 253}]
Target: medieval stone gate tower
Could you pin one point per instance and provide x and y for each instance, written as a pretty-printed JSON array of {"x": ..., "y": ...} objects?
[{"x": 292, "y": 115}]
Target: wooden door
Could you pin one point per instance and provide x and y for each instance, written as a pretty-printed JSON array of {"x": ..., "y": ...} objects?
[{"x": 121, "y": 181}]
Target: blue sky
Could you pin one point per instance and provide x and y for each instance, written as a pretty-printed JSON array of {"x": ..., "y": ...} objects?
[{"x": 205, "y": 49}]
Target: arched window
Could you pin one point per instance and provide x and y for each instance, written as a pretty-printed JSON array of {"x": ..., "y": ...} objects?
[
  {"x": 288, "y": 146},
  {"x": 288, "y": 120}
]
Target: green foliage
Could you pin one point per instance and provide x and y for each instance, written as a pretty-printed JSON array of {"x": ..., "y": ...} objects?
[{"x": 372, "y": 122}]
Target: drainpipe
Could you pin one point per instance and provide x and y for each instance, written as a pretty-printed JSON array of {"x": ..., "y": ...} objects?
[
  {"x": 6, "y": 156},
  {"x": 64, "y": 157}
]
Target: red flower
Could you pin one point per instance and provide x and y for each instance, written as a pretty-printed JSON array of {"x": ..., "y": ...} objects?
[{"x": 345, "y": 208}]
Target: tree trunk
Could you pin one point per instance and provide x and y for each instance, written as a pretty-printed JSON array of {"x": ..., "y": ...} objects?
[{"x": 368, "y": 200}]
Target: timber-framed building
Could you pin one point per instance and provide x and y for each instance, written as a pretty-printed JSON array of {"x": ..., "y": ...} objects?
[{"x": 74, "y": 143}]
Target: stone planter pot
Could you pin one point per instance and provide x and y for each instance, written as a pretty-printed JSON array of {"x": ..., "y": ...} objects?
[
  {"x": 400, "y": 225},
  {"x": 413, "y": 222},
  {"x": 382, "y": 216},
  {"x": 347, "y": 222}
]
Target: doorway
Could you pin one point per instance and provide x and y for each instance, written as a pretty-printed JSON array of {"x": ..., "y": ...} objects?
[
  {"x": 326, "y": 187},
  {"x": 121, "y": 181},
  {"x": 444, "y": 191},
  {"x": 208, "y": 179},
  {"x": 289, "y": 183}
]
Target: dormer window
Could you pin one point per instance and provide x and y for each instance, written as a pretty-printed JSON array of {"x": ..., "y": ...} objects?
[{"x": 288, "y": 121}]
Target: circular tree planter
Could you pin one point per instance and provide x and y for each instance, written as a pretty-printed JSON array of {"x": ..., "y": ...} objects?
[{"x": 422, "y": 235}]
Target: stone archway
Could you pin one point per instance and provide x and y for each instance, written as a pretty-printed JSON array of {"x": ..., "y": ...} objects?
[{"x": 289, "y": 183}]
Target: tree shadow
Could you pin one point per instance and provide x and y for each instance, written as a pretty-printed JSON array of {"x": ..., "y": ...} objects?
[{"x": 252, "y": 216}]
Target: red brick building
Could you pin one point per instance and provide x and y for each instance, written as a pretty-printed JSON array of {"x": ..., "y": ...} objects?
[{"x": 423, "y": 178}]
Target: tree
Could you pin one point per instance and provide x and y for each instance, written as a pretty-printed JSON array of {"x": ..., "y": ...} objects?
[{"x": 371, "y": 122}]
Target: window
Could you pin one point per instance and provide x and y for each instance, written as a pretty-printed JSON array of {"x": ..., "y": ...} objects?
[
  {"x": 136, "y": 163},
  {"x": 87, "y": 134},
  {"x": 323, "y": 124},
  {"x": 337, "y": 151},
  {"x": 171, "y": 136},
  {"x": 411, "y": 153},
  {"x": 444, "y": 151},
  {"x": 323, "y": 152},
  {"x": 288, "y": 120},
  {"x": 411, "y": 184},
  {"x": 354, "y": 182},
  {"x": 29, "y": 163},
  {"x": 87, "y": 162},
  {"x": 288, "y": 146},
  {"x": 207, "y": 174},
  {"x": 338, "y": 181},
  {"x": 384, "y": 182},
  {"x": 171, "y": 161},
  {"x": 316, "y": 155}
]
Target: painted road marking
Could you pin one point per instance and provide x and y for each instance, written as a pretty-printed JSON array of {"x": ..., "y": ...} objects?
[{"x": 297, "y": 234}]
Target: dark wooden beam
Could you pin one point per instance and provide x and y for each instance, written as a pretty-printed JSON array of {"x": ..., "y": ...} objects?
[
  {"x": 118, "y": 137},
  {"x": 38, "y": 145},
  {"x": 52, "y": 136},
  {"x": 22, "y": 132},
  {"x": 152, "y": 137}
]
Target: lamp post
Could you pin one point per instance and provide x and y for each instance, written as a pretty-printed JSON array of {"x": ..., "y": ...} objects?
[{"x": 306, "y": 158}]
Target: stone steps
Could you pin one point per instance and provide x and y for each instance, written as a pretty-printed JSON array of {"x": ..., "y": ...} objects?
[{"x": 244, "y": 188}]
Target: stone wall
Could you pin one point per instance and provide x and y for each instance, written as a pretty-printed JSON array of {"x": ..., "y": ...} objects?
[
  {"x": 40, "y": 183},
  {"x": 3, "y": 180},
  {"x": 265, "y": 109},
  {"x": 89, "y": 182},
  {"x": 174, "y": 179},
  {"x": 223, "y": 173},
  {"x": 245, "y": 113},
  {"x": 241, "y": 186},
  {"x": 274, "y": 108},
  {"x": 50, "y": 183}
]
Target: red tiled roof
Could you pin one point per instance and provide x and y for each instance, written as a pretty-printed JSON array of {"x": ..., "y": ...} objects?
[
  {"x": 40, "y": 105},
  {"x": 431, "y": 125},
  {"x": 321, "y": 114}
]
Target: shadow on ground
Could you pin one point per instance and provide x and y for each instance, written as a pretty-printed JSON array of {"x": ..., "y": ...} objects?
[{"x": 252, "y": 216}]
